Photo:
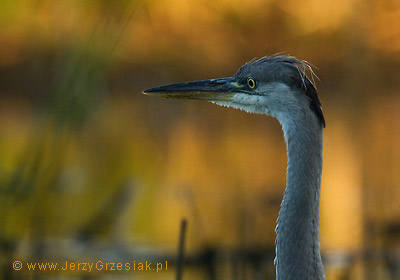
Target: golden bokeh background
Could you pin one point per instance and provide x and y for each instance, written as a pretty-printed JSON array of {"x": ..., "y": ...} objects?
[{"x": 92, "y": 169}]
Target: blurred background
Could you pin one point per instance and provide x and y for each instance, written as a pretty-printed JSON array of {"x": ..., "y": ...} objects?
[{"x": 92, "y": 170}]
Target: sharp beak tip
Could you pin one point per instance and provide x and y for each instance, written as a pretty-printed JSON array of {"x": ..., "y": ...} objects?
[{"x": 150, "y": 91}]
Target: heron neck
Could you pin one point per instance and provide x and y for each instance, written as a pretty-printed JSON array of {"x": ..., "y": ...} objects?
[{"x": 297, "y": 243}]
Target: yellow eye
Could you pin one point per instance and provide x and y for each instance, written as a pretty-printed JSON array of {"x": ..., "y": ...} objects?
[{"x": 251, "y": 82}]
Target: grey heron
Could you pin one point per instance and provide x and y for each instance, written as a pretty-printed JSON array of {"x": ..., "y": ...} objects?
[{"x": 278, "y": 86}]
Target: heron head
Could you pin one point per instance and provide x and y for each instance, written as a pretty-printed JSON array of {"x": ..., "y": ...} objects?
[{"x": 276, "y": 86}]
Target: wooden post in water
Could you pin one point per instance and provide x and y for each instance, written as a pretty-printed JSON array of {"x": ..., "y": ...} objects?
[{"x": 180, "y": 261}]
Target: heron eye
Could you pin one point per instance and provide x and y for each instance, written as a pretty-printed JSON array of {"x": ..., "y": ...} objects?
[{"x": 251, "y": 82}]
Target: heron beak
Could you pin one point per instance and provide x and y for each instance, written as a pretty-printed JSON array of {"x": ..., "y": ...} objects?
[{"x": 213, "y": 90}]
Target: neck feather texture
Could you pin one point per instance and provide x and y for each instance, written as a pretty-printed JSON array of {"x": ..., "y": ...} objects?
[{"x": 297, "y": 242}]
